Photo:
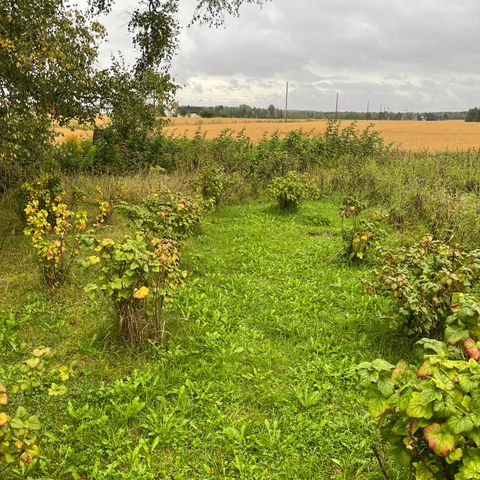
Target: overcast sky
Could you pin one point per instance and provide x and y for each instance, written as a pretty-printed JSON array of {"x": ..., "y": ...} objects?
[{"x": 415, "y": 54}]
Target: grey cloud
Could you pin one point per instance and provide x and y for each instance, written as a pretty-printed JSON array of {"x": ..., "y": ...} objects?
[{"x": 420, "y": 54}]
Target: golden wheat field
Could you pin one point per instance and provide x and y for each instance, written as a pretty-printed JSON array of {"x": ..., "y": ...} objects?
[{"x": 411, "y": 135}]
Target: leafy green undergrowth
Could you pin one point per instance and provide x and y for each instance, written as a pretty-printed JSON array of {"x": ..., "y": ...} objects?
[{"x": 255, "y": 380}]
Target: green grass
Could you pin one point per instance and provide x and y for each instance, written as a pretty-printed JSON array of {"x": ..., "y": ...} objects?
[{"x": 255, "y": 380}]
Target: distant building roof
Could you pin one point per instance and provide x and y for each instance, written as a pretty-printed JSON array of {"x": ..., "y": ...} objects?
[{"x": 191, "y": 109}]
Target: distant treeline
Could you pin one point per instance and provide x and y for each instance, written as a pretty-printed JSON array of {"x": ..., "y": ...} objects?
[
  {"x": 272, "y": 112},
  {"x": 473, "y": 115}
]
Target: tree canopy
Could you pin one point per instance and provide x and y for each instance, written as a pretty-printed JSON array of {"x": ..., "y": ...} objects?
[
  {"x": 48, "y": 53},
  {"x": 47, "y": 71}
]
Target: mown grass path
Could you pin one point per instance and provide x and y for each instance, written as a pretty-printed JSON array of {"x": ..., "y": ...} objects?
[{"x": 255, "y": 381}]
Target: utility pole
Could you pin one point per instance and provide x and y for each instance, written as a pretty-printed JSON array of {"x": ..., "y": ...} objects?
[
  {"x": 336, "y": 108},
  {"x": 368, "y": 111},
  {"x": 286, "y": 103}
]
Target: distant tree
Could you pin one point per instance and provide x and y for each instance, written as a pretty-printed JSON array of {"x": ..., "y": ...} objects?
[
  {"x": 245, "y": 111},
  {"x": 473, "y": 115},
  {"x": 207, "y": 112}
]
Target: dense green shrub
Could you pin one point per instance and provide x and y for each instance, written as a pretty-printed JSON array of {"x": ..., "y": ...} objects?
[
  {"x": 107, "y": 157},
  {"x": 138, "y": 276},
  {"x": 463, "y": 326},
  {"x": 74, "y": 156},
  {"x": 215, "y": 185},
  {"x": 429, "y": 412},
  {"x": 212, "y": 183},
  {"x": 361, "y": 235},
  {"x": 270, "y": 160},
  {"x": 45, "y": 189},
  {"x": 162, "y": 152},
  {"x": 167, "y": 214},
  {"x": 350, "y": 142},
  {"x": 56, "y": 234},
  {"x": 290, "y": 190},
  {"x": 421, "y": 281}
]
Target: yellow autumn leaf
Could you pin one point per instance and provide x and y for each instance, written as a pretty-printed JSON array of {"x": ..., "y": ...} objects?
[
  {"x": 3, "y": 419},
  {"x": 141, "y": 293},
  {"x": 94, "y": 259},
  {"x": 40, "y": 352}
]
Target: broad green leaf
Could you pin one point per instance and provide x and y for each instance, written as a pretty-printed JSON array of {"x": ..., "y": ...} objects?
[
  {"x": 466, "y": 383},
  {"x": 404, "y": 399},
  {"x": 455, "y": 334},
  {"x": 417, "y": 408},
  {"x": 21, "y": 413},
  {"x": 90, "y": 289},
  {"x": 382, "y": 365},
  {"x": 386, "y": 386},
  {"x": 459, "y": 424},
  {"x": 424, "y": 472},
  {"x": 430, "y": 344},
  {"x": 94, "y": 260},
  {"x": 474, "y": 435},
  {"x": 34, "y": 423},
  {"x": 32, "y": 362},
  {"x": 377, "y": 405},
  {"x": 440, "y": 439},
  {"x": 455, "y": 456},
  {"x": 366, "y": 376},
  {"x": 17, "y": 423},
  {"x": 57, "y": 390},
  {"x": 429, "y": 393},
  {"x": 116, "y": 284},
  {"x": 470, "y": 466}
]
